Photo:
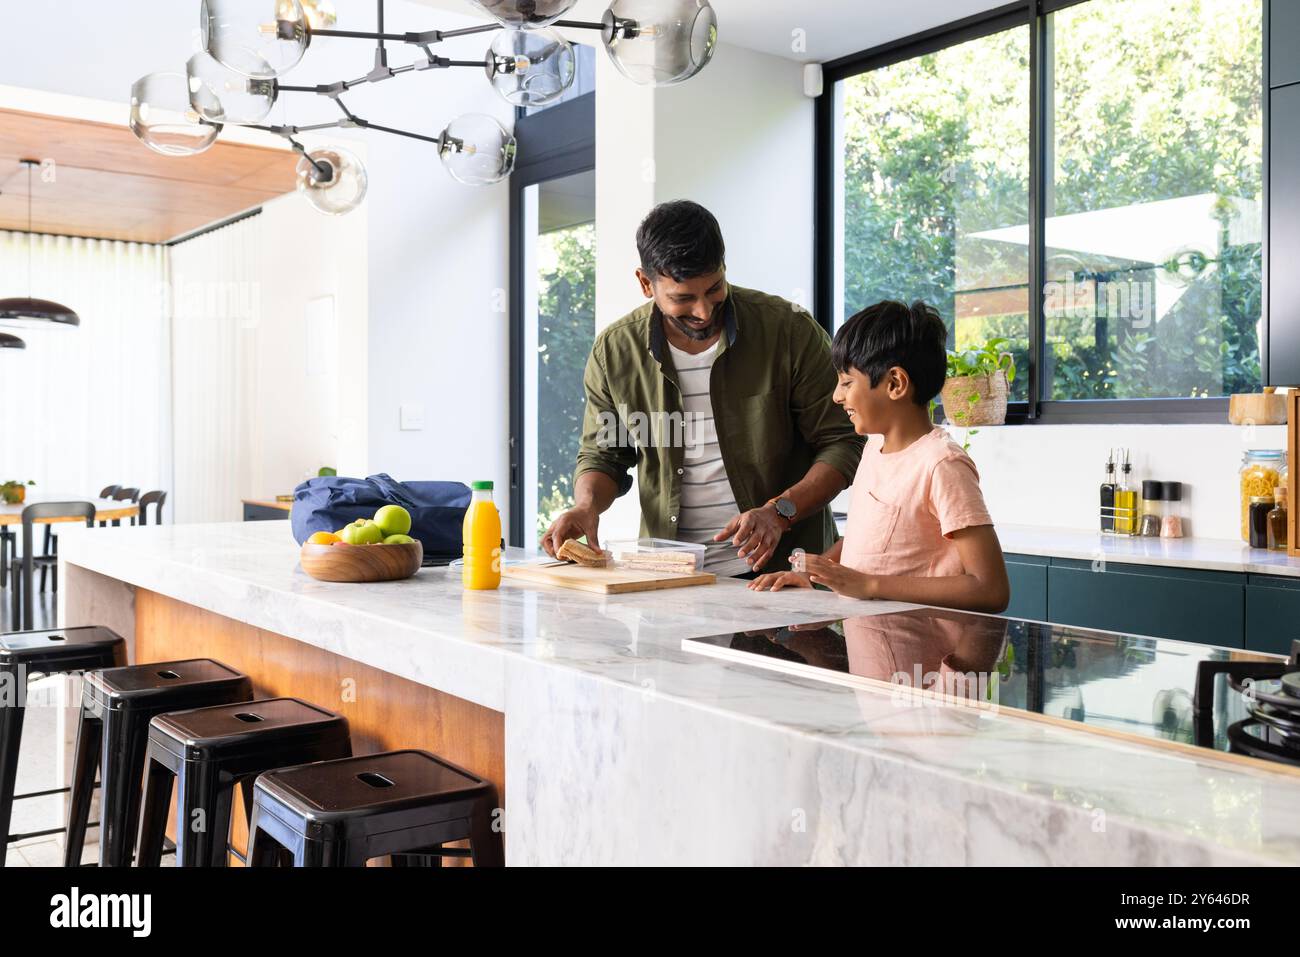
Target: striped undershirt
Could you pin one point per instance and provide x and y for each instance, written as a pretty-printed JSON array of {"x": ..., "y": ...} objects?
[{"x": 708, "y": 503}]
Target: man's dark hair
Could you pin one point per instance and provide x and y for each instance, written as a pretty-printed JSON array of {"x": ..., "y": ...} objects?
[
  {"x": 680, "y": 240},
  {"x": 892, "y": 334}
]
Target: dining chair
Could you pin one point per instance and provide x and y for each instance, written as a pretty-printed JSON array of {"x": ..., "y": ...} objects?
[
  {"x": 50, "y": 549},
  {"x": 157, "y": 498},
  {"x": 8, "y": 546},
  {"x": 125, "y": 495},
  {"x": 24, "y": 571}
]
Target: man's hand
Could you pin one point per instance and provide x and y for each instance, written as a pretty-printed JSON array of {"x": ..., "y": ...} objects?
[
  {"x": 755, "y": 534},
  {"x": 839, "y": 578},
  {"x": 775, "y": 581},
  {"x": 574, "y": 523}
]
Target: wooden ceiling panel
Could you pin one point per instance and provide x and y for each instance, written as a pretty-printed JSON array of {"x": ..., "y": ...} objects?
[{"x": 108, "y": 185}]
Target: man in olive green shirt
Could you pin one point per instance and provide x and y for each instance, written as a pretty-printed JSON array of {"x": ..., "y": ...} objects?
[{"x": 721, "y": 397}]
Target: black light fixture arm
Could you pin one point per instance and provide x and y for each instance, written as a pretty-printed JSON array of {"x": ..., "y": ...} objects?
[{"x": 382, "y": 71}]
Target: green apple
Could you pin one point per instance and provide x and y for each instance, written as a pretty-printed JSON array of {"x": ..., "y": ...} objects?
[
  {"x": 362, "y": 532},
  {"x": 399, "y": 540},
  {"x": 393, "y": 519}
]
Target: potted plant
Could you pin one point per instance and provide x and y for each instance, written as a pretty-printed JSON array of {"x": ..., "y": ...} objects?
[
  {"x": 14, "y": 492},
  {"x": 978, "y": 383}
]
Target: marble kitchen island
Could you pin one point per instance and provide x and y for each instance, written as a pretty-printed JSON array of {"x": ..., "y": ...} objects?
[{"x": 612, "y": 745}]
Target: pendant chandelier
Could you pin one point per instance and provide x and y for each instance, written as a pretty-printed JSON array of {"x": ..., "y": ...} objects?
[
  {"x": 11, "y": 342},
  {"x": 248, "y": 45},
  {"x": 25, "y": 308}
]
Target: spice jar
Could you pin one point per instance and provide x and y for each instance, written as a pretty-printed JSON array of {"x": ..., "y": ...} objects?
[
  {"x": 1153, "y": 494},
  {"x": 1262, "y": 471},
  {"x": 1171, "y": 526},
  {"x": 1257, "y": 520},
  {"x": 1278, "y": 533}
]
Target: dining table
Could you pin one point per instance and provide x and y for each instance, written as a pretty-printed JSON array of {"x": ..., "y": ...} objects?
[{"x": 106, "y": 509}]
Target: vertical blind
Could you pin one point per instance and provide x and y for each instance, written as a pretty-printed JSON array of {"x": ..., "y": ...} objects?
[{"x": 87, "y": 407}]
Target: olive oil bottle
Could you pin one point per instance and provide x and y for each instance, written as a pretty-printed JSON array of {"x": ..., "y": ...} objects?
[
  {"x": 1126, "y": 500},
  {"x": 1108, "y": 496}
]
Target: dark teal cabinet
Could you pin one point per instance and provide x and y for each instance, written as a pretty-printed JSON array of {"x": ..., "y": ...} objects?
[
  {"x": 1163, "y": 602},
  {"x": 1028, "y": 577},
  {"x": 1272, "y": 613},
  {"x": 1229, "y": 609}
]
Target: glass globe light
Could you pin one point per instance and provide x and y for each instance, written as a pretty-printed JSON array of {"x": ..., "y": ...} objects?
[
  {"x": 477, "y": 150},
  {"x": 332, "y": 179},
  {"x": 660, "y": 42},
  {"x": 220, "y": 95},
  {"x": 527, "y": 14},
  {"x": 530, "y": 67},
  {"x": 163, "y": 119},
  {"x": 321, "y": 14},
  {"x": 258, "y": 38}
]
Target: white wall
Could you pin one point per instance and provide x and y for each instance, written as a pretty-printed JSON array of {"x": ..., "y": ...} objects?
[
  {"x": 738, "y": 138},
  {"x": 1050, "y": 475},
  {"x": 439, "y": 260},
  {"x": 312, "y": 383}
]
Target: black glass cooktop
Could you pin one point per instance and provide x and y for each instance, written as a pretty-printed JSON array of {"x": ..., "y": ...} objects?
[{"x": 1142, "y": 686}]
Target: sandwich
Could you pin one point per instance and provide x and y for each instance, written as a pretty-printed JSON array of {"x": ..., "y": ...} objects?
[
  {"x": 579, "y": 554},
  {"x": 661, "y": 560}
]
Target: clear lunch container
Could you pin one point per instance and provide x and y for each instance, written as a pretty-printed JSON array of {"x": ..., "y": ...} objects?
[{"x": 657, "y": 554}]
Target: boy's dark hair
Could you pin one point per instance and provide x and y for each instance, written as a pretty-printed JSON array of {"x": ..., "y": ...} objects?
[
  {"x": 681, "y": 240},
  {"x": 891, "y": 334}
]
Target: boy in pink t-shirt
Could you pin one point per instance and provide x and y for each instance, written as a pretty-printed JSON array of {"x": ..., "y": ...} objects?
[{"x": 918, "y": 530}]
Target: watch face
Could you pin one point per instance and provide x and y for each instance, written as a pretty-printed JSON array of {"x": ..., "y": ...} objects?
[{"x": 785, "y": 508}]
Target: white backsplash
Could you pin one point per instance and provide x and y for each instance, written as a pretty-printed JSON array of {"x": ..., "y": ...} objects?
[{"x": 1050, "y": 475}]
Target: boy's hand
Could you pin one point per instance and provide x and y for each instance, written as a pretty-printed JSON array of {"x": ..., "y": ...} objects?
[
  {"x": 839, "y": 578},
  {"x": 775, "y": 581}
]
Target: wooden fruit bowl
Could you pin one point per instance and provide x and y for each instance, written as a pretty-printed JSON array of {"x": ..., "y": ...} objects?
[{"x": 361, "y": 563}]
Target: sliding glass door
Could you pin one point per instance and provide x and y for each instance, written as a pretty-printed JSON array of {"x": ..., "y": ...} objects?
[
  {"x": 552, "y": 301},
  {"x": 559, "y": 267}
]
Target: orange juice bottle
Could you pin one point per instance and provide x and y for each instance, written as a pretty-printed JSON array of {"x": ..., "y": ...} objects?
[{"x": 482, "y": 540}]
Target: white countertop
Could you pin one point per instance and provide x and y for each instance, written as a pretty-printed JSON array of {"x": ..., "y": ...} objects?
[
  {"x": 1207, "y": 554},
  {"x": 621, "y": 747}
]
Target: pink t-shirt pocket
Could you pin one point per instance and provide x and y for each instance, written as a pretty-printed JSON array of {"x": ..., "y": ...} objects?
[{"x": 874, "y": 530}]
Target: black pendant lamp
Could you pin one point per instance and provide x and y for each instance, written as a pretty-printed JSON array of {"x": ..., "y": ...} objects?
[
  {"x": 25, "y": 307},
  {"x": 11, "y": 342}
]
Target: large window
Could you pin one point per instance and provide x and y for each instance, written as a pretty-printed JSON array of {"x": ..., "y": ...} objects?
[
  {"x": 1154, "y": 214},
  {"x": 933, "y": 168},
  {"x": 1133, "y": 194}
]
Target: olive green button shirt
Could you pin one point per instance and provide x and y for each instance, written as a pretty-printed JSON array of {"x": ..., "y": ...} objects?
[{"x": 771, "y": 388}]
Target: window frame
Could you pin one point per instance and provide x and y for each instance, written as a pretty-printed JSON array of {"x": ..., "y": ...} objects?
[{"x": 1032, "y": 14}]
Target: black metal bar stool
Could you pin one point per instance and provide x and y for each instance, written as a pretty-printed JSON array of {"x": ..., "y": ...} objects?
[
  {"x": 207, "y": 752},
  {"x": 117, "y": 705},
  {"x": 343, "y": 813},
  {"x": 23, "y": 653}
]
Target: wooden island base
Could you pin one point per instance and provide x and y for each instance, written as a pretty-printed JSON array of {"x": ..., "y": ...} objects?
[{"x": 384, "y": 712}]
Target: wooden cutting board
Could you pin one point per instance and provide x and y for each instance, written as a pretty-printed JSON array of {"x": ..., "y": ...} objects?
[{"x": 604, "y": 581}]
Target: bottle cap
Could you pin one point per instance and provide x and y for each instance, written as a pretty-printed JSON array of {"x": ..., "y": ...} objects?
[
  {"x": 1153, "y": 491},
  {"x": 481, "y": 486},
  {"x": 1173, "y": 491},
  {"x": 1261, "y": 500}
]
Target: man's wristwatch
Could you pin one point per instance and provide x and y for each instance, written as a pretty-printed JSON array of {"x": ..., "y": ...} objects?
[{"x": 786, "y": 509}]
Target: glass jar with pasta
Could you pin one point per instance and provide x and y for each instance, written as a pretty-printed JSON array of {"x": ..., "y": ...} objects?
[{"x": 1262, "y": 471}]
